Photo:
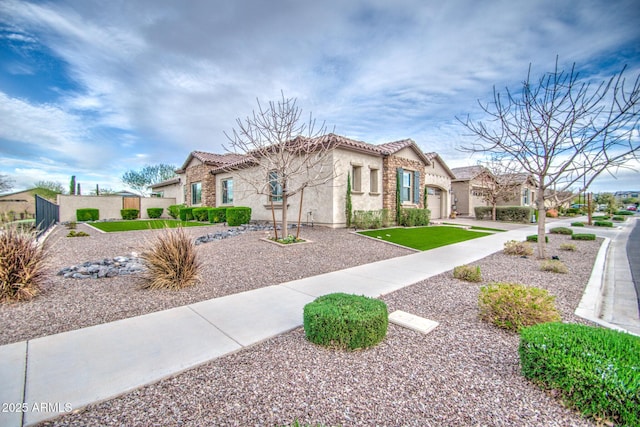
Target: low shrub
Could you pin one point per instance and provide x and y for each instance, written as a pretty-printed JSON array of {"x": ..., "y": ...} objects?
[
  {"x": 414, "y": 217},
  {"x": 217, "y": 215},
  {"x": 601, "y": 217},
  {"x": 624, "y": 213},
  {"x": 561, "y": 230},
  {"x": 201, "y": 214},
  {"x": 87, "y": 214},
  {"x": 171, "y": 261},
  {"x": 594, "y": 369},
  {"x": 74, "y": 233},
  {"x": 513, "y": 306},
  {"x": 552, "y": 213},
  {"x": 154, "y": 213},
  {"x": 71, "y": 225},
  {"x": 567, "y": 247},
  {"x": 553, "y": 266},
  {"x": 174, "y": 211},
  {"x": 603, "y": 223},
  {"x": 238, "y": 215},
  {"x": 22, "y": 264},
  {"x": 584, "y": 236},
  {"x": 186, "y": 214},
  {"x": 572, "y": 211},
  {"x": 619, "y": 218},
  {"x": 534, "y": 238},
  {"x": 513, "y": 247},
  {"x": 505, "y": 213},
  {"x": 345, "y": 321},
  {"x": 371, "y": 219},
  {"x": 577, "y": 224},
  {"x": 129, "y": 213},
  {"x": 468, "y": 273}
]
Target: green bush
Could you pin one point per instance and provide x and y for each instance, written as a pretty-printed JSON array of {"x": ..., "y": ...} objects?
[
  {"x": 174, "y": 211},
  {"x": 414, "y": 217},
  {"x": 505, "y": 213},
  {"x": 345, "y": 321},
  {"x": 154, "y": 212},
  {"x": 553, "y": 266},
  {"x": 572, "y": 211},
  {"x": 468, "y": 273},
  {"x": 513, "y": 306},
  {"x": 619, "y": 218},
  {"x": 624, "y": 213},
  {"x": 87, "y": 214},
  {"x": 186, "y": 214},
  {"x": 371, "y": 219},
  {"x": 567, "y": 247},
  {"x": 595, "y": 369},
  {"x": 217, "y": 215},
  {"x": 577, "y": 224},
  {"x": 129, "y": 213},
  {"x": 513, "y": 247},
  {"x": 561, "y": 230},
  {"x": 603, "y": 223},
  {"x": 534, "y": 238},
  {"x": 74, "y": 233},
  {"x": 201, "y": 214},
  {"x": 238, "y": 215},
  {"x": 584, "y": 236},
  {"x": 601, "y": 217}
]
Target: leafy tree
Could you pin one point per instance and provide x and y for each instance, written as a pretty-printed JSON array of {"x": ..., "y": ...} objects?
[
  {"x": 72, "y": 185},
  {"x": 562, "y": 130},
  {"x": 290, "y": 154},
  {"x": 6, "y": 183},
  {"x": 150, "y": 174},
  {"x": 606, "y": 199},
  {"x": 54, "y": 186},
  {"x": 499, "y": 182},
  {"x": 102, "y": 191}
]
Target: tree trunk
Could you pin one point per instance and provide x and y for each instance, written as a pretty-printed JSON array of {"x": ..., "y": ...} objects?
[
  {"x": 542, "y": 216},
  {"x": 273, "y": 215},
  {"x": 285, "y": 223},
  {"x": 493, "y": 212},
  {"x": 300, "y": 214}
]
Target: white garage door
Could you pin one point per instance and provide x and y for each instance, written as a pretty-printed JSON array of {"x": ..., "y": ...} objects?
[{"x": 434, "y": 202}]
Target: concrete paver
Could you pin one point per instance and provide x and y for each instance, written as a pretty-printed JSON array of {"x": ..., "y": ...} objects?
[{"x": 76, "y": 368}]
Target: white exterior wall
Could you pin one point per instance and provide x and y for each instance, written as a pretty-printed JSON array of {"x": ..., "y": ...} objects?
[
  {"x": 156, "y": 202},
  {"x": 109, "y": 206},
  {"x": 435, "y": 175}
]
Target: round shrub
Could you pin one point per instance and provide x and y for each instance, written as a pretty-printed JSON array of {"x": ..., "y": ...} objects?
[
  {"x": 468, "y": 273},
  {"x": 154, "y": 212},
  {"x": 534, "y": 238},
  {"x": 584, "y": 236},
  {"x": 513, "y": 247},
  {"x": 129, "y": 214},
  {"x": 345, "y": 321},
  {"x": 577, "y": 224},
  {"x": 21, "y": 265},
  {"x": 238, "y": 216},
  {"x": 554, "y": 266},
  {"x": 513, "y": 306},
  {"x": 561, "y": 230},
  {"x": 552, "y": 213}
]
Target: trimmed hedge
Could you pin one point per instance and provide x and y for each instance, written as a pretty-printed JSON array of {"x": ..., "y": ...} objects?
[
  {"x": 561, "y": 230},
  {"x": 579, "y": 236},
  {"x": 201, "y": 214},
  {"x": 577, "y": 224},
  {"x": 534, "y": 238},
  {"x": 414, "y": 217},
  {"x": 505, "y": 213},
  {"x": 603, "y": 223},
  {"x": 186, "y": 214},
  {"x": 154, "y": 212},
  {"x": 217, "y": 215},
  {"x": 238, "y": 215},
  {"x": 129, "y": 213},
  {"x": 624, "y": 213},
  {"x": 87, "y": 214},
  {"x": 346, "y": 321},
  {"x": 619, "y": 218},
  {"x": 174, "y": 211},
  {"x": 595, "y": 369},
  {"x": 371, "y": 219}
]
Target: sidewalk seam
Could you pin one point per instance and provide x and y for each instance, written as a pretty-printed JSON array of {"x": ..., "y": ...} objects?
[
  {"x": 24, "y": 383},
  {"x": 221, "y": 331}
]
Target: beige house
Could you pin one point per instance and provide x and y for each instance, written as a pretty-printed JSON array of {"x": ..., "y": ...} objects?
[
  {"x": 170, "y": 188},
  {"x": 525, "y": 190},
  {"x": 468, "y": 188},
  {"x": 208, "y": 179}
]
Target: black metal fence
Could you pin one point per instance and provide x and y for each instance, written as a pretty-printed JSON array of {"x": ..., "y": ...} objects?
[{"x": 47, "y": 214}]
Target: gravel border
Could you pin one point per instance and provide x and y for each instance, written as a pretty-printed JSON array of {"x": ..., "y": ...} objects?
[
  {"x": 465, "y": 372},
  {"x": 229, "y": 266}
]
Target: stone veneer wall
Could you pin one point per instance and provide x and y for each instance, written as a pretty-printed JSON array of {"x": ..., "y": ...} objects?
[
  {"x": 390, "y": 166},
  {"x": 201, "y": 173}
]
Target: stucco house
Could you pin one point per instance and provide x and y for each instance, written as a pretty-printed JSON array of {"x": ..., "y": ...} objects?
[
  {"x": 208, "y": 179},
  {"x": 468, "y": 188},
  {"x": 525, "y": 189},
  {"x": 168, "y": 188}
]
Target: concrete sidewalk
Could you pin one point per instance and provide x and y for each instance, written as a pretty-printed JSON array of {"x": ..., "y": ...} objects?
[{"x": 48, "y": 376}]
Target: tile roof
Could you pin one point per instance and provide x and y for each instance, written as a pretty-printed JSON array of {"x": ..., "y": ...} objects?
[{"x": 467, "y": 172}]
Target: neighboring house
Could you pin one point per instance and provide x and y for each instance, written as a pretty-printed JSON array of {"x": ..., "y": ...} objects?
[
  {"x": 223, "y": 180},
  {"x": 18, "y": 205},
  {"x": 622, "y": 195},
  {"x": 468, "y": 188},
  {"x": 525, "y": 189},
  {"x": 169, "y": 188}
]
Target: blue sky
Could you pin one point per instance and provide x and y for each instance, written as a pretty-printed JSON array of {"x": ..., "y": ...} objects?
[{"x": 95, "y": 88}]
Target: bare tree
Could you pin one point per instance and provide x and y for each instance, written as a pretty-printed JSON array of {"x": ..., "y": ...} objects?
[
  {"x": 499, "y": 183},
  {"x": 6, "y": 183},
  {"x": 290, "y": 154},
  {"x": 561, "y": 129}
]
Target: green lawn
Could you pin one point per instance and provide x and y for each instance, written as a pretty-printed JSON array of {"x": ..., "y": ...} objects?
[
  {"x": 145, "y": 224},
  {"x": 475, "y": 227},
  {"x": 424, "y": 238}
]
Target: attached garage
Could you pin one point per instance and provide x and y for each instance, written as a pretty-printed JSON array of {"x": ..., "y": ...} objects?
[{"x": 434, "y": 202}]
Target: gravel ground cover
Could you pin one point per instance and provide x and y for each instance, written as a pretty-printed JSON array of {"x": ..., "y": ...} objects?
[
  {"x": 464, "y": 373},
  {"x": 229, "y": 266}
]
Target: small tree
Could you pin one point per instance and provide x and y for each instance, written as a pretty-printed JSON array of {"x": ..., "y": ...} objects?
[
  {"x": 348, "y": 211},
  {"x": 72, "y": 185},
  {"x": 499, "y": 183},
  {"x": 148, "y": 175},
  {"x": 290, "y": 155},
  {"x": 561, "y": 130}
]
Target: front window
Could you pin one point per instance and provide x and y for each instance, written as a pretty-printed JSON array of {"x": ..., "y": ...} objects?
[
  {"x": 407, "y": 186},
  {"x": 275, "y": 186},
  {"x": 196, "y": 193},
  {"x": 357, "y": 178},
  {"x": 227, "y": 192},
  {"x": 373, "y": 181},
  {"x": 525, "y": 197}
]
